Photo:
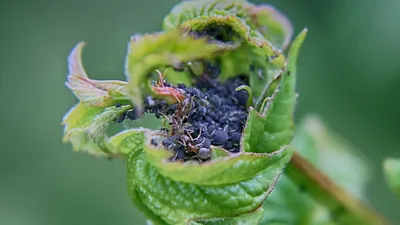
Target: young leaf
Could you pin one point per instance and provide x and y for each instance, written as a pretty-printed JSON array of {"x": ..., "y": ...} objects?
[
  {"x": 174, "y": 202},
  {"x": 148, "y": 52},
  {"x": 323, "y": 149},
  {"x": 238, "y": 22},
  {"x": 274, "y": 128},
  {"x": 392, "y": 173},
  {"x": 85, "y": 127},
  {"x": 275, "y": 26},
  {"x": 88, "y": 91},
  {"x": 224, "y": 170}
]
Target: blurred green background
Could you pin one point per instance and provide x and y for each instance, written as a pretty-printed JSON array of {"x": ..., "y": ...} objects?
[{"x": 349, "y": 73}]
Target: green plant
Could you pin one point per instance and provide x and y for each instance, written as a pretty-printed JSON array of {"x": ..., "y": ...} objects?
[{"x": 173, "y": 177}]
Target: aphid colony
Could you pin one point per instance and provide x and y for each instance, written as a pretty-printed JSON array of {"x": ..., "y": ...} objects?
[{"x": 212, "y": 113}]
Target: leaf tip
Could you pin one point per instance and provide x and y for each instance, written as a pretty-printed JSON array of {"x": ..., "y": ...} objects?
[{"x": 75, "y": 60}]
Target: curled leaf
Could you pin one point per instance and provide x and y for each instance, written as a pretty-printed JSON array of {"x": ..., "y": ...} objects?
[
  {"x": 88, "y": 91},
  {"x": 250, "y": 93},
  {"x": 149, "y": 52},
  {"x": 168, "y": 201},
  {"x": 274, "y": 128},
  {"x": 223, "y": 170},
  {"x": 85, "y": 127},
  {"x": 273, "y": 25},
  {"x": 240, "y": 22}
]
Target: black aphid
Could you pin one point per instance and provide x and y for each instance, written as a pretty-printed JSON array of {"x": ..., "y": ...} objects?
[
  {"x": 130, "y": 114},
  {"x": 121, "y": 117},
  {"x": 213, "y": 113},
  {"x": 154, "y": 142}
]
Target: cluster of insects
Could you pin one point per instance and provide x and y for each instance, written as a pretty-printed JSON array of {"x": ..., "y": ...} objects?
[
  {"x": 195, "y": 118},
  {"x": 130, "y": 114}
]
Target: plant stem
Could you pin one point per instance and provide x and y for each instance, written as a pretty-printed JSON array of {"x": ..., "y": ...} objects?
[{"x": 344, "y": 207}]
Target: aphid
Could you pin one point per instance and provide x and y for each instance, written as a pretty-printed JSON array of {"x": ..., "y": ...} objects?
[
  {"x": 220, "y": 137},
  {"x": 201, "y": 110},
  {"x": 206, "y": 115},
  {"x": 132, "y": 115},
  {"x": 121, "y": 117},
  {"x": 204, "y": 153},
  {"x": 228, "y": 145},
  {"x": 154, "y": 142},
  {"x": 164, "y": 129},
  {"x": 149, "y": 101},
  {"x": 179, "y": 155},
  {"x": 235, "y": 136},
  {"x": 252, "y": 67},
  {"x": 181, "y": 86},
  {"x": 206, "y": 143},
  {"x": 211, "y": 129},
  {"x": 169, "y": 142}
]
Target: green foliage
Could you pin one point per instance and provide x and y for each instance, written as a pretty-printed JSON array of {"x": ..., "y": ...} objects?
[
  {"x": 392, "y": 173},
  {"x": 85, "y": 127},
  {"x": 180, "y": 198},
  {"x": 230, "y": 169},
  {"x": 241, "y": 22},
  {"x": 231, "y": 188},
  {"x": 324, "y": 149},
  {"x": 148, "y": 52},
  {"x": 274, "y": 127},
  {"x": 92, "y": 92}
]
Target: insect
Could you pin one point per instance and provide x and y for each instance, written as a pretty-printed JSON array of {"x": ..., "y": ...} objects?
[
  {"x": 204, "y": 153},
  {"x": 220, "y": 137},
  {"x": 235, "y": 136},
  {"x": 132, "y": 115},
  {"x": 179, "y": 154},
  {"x": 120, "y": 118},
  {"x": 170, "y": 94},
  {"x": 154, "y": 142}
]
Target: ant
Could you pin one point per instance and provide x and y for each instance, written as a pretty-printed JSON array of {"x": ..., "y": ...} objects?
[{"x": 161, "y": 90}]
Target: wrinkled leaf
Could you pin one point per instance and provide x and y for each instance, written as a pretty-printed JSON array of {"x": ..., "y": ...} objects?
[
  {"x": 238, "y": 22},
  {"x": 149, "y": 52},
  {"x": 275, "y": 26},
  {"x": 272, "y": 24},
  {"x": 274, "y": 128},
  {"x": 223, "y": 170},
  {"x": 85, "y": 127},
  {"x": 241, "y": 32},
  {"x": 392, "y": 173},
  {"x": 88, "y": 91},
  {"x": 174, "y": 202}
]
